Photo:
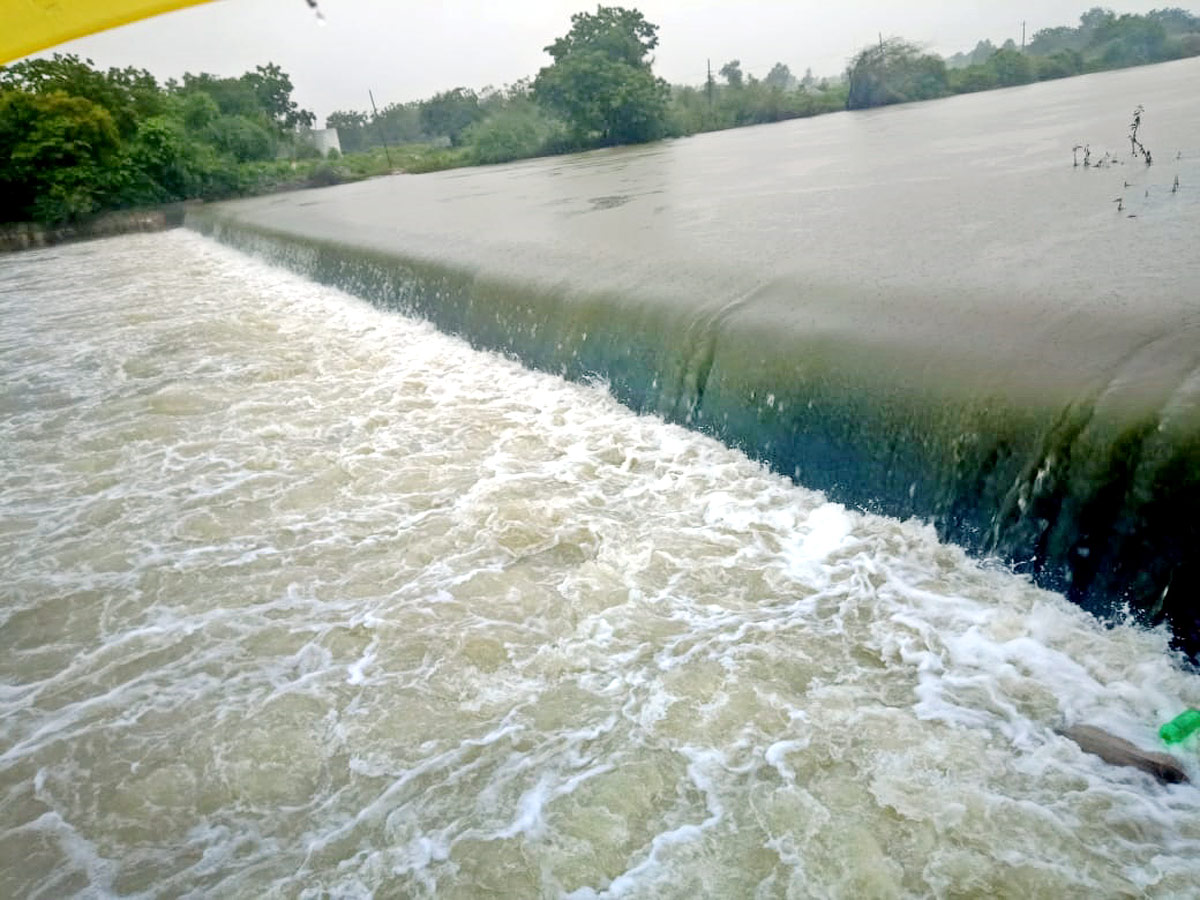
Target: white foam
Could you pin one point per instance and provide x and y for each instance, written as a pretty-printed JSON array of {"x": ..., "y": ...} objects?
[{"x": 397, "y": 615}]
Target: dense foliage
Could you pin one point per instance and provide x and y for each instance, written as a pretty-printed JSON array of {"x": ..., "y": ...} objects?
[
  {"x": 75, "y": 140},
  {"x": 1105, "y": 39},
  {"x": 451, "y": 113},
  {"x": 599, "y": 90},
  {"x": 749, "y": 101},
  {"x": 601, "y": 83},
  {"x": 896, "y": 71},
  {"x": 516, "y": 128}
]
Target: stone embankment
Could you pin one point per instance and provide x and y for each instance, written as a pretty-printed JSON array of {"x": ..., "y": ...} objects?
[{"x": 31, "y": 235}]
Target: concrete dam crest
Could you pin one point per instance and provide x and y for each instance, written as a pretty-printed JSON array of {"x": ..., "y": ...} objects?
[{"x": 959, "y": 329}]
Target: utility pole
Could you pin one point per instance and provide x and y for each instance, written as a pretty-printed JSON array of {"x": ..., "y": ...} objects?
[
  {"x": 881, "y": 40},
  {"x": 709, "y": 85},
  {"x": 379, "y": 125},
  {"x": 1022, "y": 35}
]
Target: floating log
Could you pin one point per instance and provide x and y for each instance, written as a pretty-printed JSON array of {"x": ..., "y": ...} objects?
[{"x": 1120, "y": 752}]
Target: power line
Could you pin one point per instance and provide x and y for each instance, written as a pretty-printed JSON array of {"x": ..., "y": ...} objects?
[{"x": 382, "y": 136}]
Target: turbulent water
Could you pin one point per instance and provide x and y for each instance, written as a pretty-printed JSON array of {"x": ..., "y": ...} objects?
[
  {"x": 927, "y": 311},
  {"x": 304, "y": 599}
]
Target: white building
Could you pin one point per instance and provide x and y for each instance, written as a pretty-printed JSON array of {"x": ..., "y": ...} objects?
[{"x": 324, "y": 139}]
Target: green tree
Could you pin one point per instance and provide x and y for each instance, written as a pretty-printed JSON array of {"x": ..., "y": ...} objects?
[
  {"x": 197, "y": 111},
  {"x": 264, "y": 94},
  {"x": 1131, "y": 41},
  {"x": 894, "y": 71},
  {"x": 1175, "y": 20},
  {"x": 127, "y": 94},
  {"x": 345, "y": 119},
  {"x": 162, "y": 164},
  {"x": 983, "y": 51},
  {"x": 58, "y": 154},
  {"x": 451, "y": 113},
  {"x": 1105, "y": 40},
  {"x": 732, "y": 73},
  {"x": 233, "y": 96},
  {"x": 1061, "y": 64},
  {"x": 351, "y": 127},
  {"x": 621, "y": 35},
  {"x": 972, "y": 79},
  {"x": 1094, "y": 23},
  {"x": 1049, "y": 41},
  {"x": 516, "y": 131},
  {"x": 272, "y": 90},
  {"x": 398, "y": 123},
  {"x": 75, "y": 140},
  {"x": 1011, "y": 67},
  {"x": 242, "y": 138},
  {"x": 601, "y": 81},
  {"x": 780, "y": 77}
]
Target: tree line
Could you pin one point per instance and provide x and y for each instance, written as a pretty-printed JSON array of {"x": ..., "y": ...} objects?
[
  {"x": 896, "y": 71},
  {"x": 599, "y": 90},
  {"x": 75, "y": 140}
]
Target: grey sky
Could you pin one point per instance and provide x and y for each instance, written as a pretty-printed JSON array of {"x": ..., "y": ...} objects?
[{"x": 406, "y": 50}]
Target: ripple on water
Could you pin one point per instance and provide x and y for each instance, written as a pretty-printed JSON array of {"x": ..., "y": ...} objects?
[{"x": 303, "y": 599}]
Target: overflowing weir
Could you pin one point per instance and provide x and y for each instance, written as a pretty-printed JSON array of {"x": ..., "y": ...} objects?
[{"x": 923, "y": 311}]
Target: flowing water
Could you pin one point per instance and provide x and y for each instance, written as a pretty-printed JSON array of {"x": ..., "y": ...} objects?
[
  {"x": 925, "y": 311},
  {"x": 305, "y": 599}
]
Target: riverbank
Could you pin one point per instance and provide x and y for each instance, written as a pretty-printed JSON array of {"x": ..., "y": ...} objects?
[
  {"x": 18, "y": 236},
  {"x": 189, "y": 152},
  {"x": 280, "y": 176}
]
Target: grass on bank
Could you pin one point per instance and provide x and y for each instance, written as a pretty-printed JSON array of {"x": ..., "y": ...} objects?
[{"x": 283, "y": 174}]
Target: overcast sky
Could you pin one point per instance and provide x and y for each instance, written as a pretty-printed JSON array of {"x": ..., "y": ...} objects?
[{"x": 407, "y": 50}]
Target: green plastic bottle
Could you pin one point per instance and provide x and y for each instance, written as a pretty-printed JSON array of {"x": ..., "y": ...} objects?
[{"x": 1181, "y": 727}]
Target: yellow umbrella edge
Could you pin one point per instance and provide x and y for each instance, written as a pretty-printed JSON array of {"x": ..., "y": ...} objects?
[{"x": 33, "y": 25}]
